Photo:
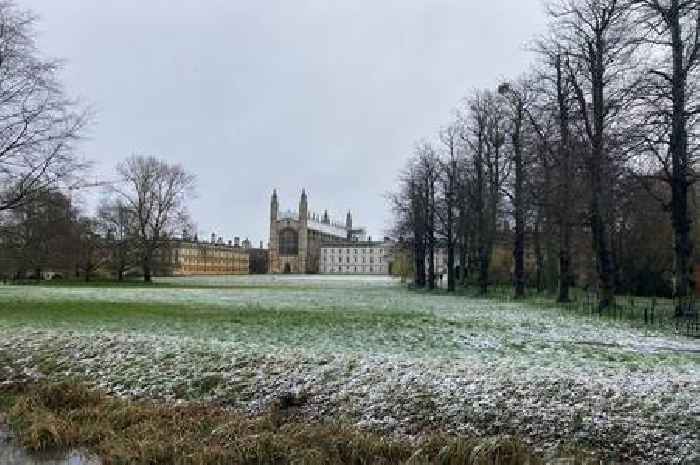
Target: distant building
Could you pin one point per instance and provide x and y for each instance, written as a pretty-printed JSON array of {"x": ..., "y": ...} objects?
[
  {"x": 356, "y": 257},
  {"x": 258, "y": 260},
  {"x": 189, "y": 258},
  {"x": 296, "y": 237}
]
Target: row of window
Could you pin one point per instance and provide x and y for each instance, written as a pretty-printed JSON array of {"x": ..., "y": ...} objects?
[
  {"x": 347, "y": 259},
  {"x": 208, "y": 253},
  {"x": 356, "y": 251},
  {"x": 215, "y": 269},
  {"x": 352, "y": 269},
  {"x": 217, "y": 260}
]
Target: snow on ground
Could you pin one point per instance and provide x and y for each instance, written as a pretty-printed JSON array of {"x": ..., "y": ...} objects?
[{"x": 366, "y": 351}]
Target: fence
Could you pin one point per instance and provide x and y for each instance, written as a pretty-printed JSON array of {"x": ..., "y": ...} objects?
[{"x": 651, "y": 312}]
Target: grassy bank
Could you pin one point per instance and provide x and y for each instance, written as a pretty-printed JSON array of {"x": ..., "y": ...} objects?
[
  {"x": 68, "y": 415},
  {"x": 370, "y": 355}
]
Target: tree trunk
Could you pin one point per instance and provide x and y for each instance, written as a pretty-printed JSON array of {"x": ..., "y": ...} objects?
[
  {"x": 419, "y": 252},
  {"x": 463, "y": 262},
  {"x": 680, "y": 217},
  {"x": 450, "y": 228},
  {"x": 431, "y": 261},
  {"x": 482, "y": 228},
  {"x": 430, "y": 191},
  {"x": 519, "y": 201},
  {"x": 483, "y": 270},
  {"x": 147, "y": 268},
  {"x": 450, "y": 264},
  {"x": 564, "y": 189},
  {"x": 600, "y": 195},
  {"x": 539, "y": 255},
  {"x": 461, "y": 246}
]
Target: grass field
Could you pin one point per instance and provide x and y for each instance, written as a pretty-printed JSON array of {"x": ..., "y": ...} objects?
[{"x": 366, "y": 352}]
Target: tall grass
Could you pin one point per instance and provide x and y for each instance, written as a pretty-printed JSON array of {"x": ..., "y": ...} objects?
[{"x": 69, "y": 415}]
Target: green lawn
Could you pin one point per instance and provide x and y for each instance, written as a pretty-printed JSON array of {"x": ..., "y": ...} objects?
[{"x": 364, "y": 351}]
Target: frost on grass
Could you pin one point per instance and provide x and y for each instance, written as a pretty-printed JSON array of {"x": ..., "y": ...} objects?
[{"x": 371, "y": 353}]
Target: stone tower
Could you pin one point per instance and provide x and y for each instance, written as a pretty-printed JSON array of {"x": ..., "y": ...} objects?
[
  {"x": 303, "y": 231},
  {"x": 274, "y": 206},
  {"x": 348, "y": 225},
  {"x": 273, "y": 262}
]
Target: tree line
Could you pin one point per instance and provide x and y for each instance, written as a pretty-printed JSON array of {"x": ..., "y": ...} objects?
[
  {"x": 40, "y": 228},
  {"x": 131, "y": 231},
  {"x": 585, "y": 161}
]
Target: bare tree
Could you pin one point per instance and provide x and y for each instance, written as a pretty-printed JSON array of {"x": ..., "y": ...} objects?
[
  {"x": 39, "y": 125},
  {"x": 449, "y": 176},
  {"x": 484, "y": 134},
  {"x": 41, "y": 236},
  {"x": 542, "y": 184},
  {"x": 155, "y": 192},
  {"x": 565, "y": 178},
  {"x": 91, "y": 250},
  {"x": 671, "y": 31},
  {"x": 427, "y": 171},
  {"x": 599, "y": 44},
  {"x": 116, "y": 224},
  {"x": 517, "y": 97}
]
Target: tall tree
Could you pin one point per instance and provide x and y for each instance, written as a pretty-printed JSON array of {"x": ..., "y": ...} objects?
[
  {"x": 516, "y": 97},
  {"x": 427, "y": 170},
  {"x": 449, "y": 175},
  {"x": 564, "y": 211},
  {"x": 597, "y": 36},
  {"x": 155, "y": 192},
  {"x": 39, "y": 125},
  {"x": 672, "y": 31},
  {"x": 484, "y": 133}
]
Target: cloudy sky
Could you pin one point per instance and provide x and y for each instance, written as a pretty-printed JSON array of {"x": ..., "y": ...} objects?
[{"x": 329, "y": 95}]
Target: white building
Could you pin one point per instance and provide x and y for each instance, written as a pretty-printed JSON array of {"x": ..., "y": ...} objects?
[{"x": 355, "y": 257}]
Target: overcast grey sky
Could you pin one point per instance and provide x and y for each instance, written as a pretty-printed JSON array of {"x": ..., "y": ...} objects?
[{"x": 251, "y": 95}]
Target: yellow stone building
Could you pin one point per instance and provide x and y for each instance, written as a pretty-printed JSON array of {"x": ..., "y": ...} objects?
[{"x": 207, "y": 258}]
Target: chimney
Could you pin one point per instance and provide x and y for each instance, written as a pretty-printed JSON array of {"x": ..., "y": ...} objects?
[{"x": 236, "y": 241}]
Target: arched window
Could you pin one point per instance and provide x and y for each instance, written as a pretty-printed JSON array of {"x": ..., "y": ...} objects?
[{"x": 289, "y": 242}]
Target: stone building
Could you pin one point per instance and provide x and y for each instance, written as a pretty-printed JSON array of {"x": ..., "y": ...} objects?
[
  {"x": 188, "y": 258},
  {"x": 296, "y": 237},
  {"x": 356, "y": 257},
  {"x": 258, "y": 260}
]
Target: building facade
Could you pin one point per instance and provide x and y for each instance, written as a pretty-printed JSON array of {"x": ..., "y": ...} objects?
[
  {"x": 296, "y": 237},
  {"x": 355, "y": 257},
  {"x": 188, "y": 258}
]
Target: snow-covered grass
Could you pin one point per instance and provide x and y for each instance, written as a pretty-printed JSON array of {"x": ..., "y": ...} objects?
[{"x": 367, "y": 351}]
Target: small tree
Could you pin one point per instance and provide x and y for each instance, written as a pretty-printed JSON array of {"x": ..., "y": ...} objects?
[
  {"x": 91, "y": 247},
  {"x": 117, "y": 226},
  {"x": 155, "y": 193}
]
